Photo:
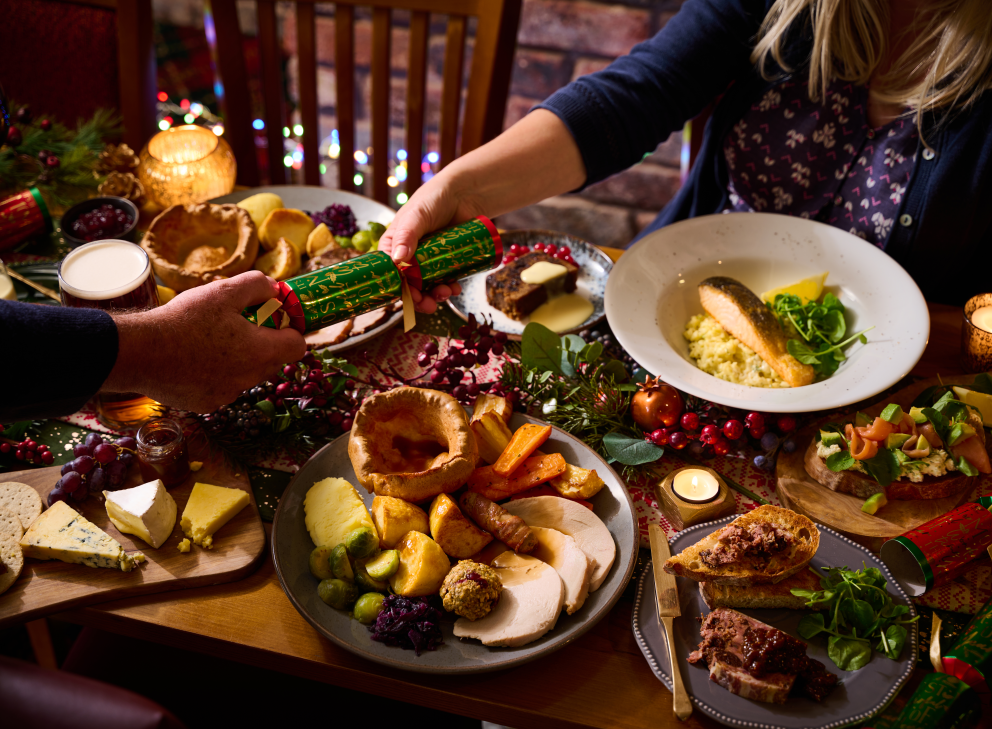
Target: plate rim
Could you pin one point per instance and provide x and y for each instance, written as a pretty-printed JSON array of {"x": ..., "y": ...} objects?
[
  {"x": 580, "y": 630},
  {"x": 655, "y": 665},
  {"x": 608, "y": 262},
  {"x": 836, "y": 397}
]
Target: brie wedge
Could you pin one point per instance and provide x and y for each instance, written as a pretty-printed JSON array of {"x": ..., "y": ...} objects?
[{"x": 147, "y": 511}]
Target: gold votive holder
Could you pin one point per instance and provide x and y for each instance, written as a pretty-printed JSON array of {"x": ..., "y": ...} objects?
[
  {"x": 186, "y": 164},
  {"x": 976, "y": 343},
  {"x": 681, "y": 513}
]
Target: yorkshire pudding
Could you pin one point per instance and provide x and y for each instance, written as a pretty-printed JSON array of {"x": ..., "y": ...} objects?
[
  {"x": 190, "y": 245},
  {"x": 412, "y": 444}
]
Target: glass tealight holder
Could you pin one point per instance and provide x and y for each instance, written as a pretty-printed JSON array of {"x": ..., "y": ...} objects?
[
  {"x": 976, "y": 342},
  {"x": 186, "y": 164}
]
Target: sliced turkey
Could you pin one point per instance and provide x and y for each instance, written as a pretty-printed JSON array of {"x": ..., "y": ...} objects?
[
  {"x": 333, "y": 334},
  {"x": 561, "y": 552},
  {"x": 528, "y": 606},
  {"x": 575, "y": 520}
]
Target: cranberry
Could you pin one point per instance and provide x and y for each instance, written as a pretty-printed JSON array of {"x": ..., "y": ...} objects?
[
  {"x": 658, "y": 437},
  {"x": 690, "y": 421},
  {"x": 678, "y": 440},
  {"x": 709, "y": 434},
  {"x": 52, "y": 161},
  {"x": 733, "y": 429},
  {"x": 786, "y": 424},
  {"x": 45, "y": 125}
]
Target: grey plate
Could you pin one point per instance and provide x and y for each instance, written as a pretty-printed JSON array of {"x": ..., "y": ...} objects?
[
  {"x": 860, "y": 694},
  {"x": 291, "y": 547},
  {"x": 594, "y": 269},
  {"x": 310, "y": 198}
]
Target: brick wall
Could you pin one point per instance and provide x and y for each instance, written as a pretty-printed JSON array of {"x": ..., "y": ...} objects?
[{"x": 558, "y": 41}]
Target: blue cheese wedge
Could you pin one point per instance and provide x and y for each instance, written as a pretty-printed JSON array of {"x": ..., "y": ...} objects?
[
  {"x": 63, "y": 533},
  {"x": 146, "y": 511}
]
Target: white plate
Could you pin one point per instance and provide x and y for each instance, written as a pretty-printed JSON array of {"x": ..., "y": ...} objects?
[
  {"x": 310, "y": 198},
  {"x": 652, "y": 293}
]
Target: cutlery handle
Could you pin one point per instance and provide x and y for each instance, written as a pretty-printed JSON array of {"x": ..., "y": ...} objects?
[{"x": 682, "y": 706}]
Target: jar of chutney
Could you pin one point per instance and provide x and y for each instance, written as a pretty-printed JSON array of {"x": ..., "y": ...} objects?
[{"x": 162, "y": 452}]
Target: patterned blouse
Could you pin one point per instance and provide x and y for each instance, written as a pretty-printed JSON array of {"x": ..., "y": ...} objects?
[{"x": 820, "y": 160}]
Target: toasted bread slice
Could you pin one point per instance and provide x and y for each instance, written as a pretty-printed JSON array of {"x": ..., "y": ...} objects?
[
  {"x": 778, "y": 595},
  {"x": 863, "y": 486},
  {"x": 748, "y": 571}
]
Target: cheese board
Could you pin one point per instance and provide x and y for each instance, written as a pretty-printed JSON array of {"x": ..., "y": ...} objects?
[
  {"x": 842, "y": 512},
  {"x": 50, "y": 586}
]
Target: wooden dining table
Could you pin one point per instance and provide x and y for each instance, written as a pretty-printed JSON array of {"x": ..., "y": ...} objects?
[{"x": 599, "y": 680}]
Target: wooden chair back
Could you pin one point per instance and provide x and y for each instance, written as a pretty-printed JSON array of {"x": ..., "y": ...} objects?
[
  {"x": 57, "y": 57},
  {"x": 485, "y": 103}
]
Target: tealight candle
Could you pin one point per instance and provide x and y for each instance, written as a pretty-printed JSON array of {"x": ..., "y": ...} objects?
[
  {"x": 982, "y": 318},
  {"x": 695, "y": 485},
  {"x": 976, "y": 334}
]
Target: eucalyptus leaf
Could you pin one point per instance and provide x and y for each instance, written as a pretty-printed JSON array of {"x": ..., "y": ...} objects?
[
  {"x": 615, "y": 369},
  {"x": 631, "y": 451},
  {"x": 540, "y": 348},
  {"x": 573, "y": 342},
  {"x": 591, "y": 352},
  {"x": 567, "y": 363}
]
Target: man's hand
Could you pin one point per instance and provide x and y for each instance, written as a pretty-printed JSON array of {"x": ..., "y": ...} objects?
[{"x": 198, "y": 352}]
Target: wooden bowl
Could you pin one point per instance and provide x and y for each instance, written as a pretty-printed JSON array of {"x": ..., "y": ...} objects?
[{"x": 190, "y": 245}]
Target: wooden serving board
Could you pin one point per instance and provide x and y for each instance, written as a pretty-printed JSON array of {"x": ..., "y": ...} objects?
[
  {"x": 842, "y": 512},
  {"x": 50, "y": 586}
]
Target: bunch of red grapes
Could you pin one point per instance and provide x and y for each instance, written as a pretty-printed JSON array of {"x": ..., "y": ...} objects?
[
  {"x": 563, "y": 253},
  {"x": 479, "y": 341},
  {"x": 29, "y": 451},
  {"x": 705, "y": 439},
  {"x": 97, "y": 466}
]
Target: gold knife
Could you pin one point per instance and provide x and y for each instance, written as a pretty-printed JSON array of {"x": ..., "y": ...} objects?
[{"x": 668, "y": 608}]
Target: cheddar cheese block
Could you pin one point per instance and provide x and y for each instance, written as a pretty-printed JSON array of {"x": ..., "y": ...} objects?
[
  {"x": 208, "y": 509},
  {"x": 63, "y": 533}
]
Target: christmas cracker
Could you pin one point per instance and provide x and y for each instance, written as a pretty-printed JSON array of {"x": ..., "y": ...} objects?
[{"x": 329, "y": 295}]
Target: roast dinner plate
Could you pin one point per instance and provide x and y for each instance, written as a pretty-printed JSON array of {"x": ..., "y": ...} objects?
[
  {"x": 858, "y": 696},
  {"x": 311, "y": 198},
  {"x": 291, "y": 547},
  {"x": 594, "y": 269},
  {"x": 652, "y": 293}
]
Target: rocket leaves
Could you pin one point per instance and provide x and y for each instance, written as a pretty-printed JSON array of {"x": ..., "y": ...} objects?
[{"x": 822, "y": 327}]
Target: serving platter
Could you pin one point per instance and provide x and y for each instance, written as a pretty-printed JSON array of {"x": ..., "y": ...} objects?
[
  {"x": 859, "y": 694},
  {"x": 312, "y": 198},
  {"x": 652, "y": 293},
  {"x": 594, "y": 270},
  {"x": 49, "y": 586},
  {"x": 291, "y": 547}
]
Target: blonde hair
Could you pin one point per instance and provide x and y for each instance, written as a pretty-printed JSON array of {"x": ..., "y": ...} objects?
[{"x": 946, "y": 67}]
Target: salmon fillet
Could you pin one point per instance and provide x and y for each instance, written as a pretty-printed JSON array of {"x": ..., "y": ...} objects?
[{"x": 745, "y": 317}]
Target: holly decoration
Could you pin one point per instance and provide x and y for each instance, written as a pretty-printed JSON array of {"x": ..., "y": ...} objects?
[{"x": 656, "y": 404}]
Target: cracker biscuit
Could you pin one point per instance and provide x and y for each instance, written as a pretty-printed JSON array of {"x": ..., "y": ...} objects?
[
  {"x": 12, "y": 558},
  {"x": 10, "y": 525},
  {"x": 21, "y": 499}
]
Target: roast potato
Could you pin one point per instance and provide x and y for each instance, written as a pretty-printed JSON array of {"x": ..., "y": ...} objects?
[
  {"x": 394, "y": 517},
  {"x": 423, "y": 566},
  {"x": 577, "y": 483},
  {"x": 492, "y": 403},
  {"x": 453, "y": 531},
  {"x": 491, "y": 435}
]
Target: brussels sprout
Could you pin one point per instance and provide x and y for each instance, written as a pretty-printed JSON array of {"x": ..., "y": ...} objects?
[
  {"x": 362, "y": 240},
  {"x": 376, "y": 229},
  {"x": 320, "y": 567},
  {"x": 383, "y": 566},
  {"x": 340, "y": 564},
  {"x": 343, "y": 241},
  {"x": 368, "y": 607},
  {"x": 366, "y": 583},
  {"x": 362, "y": 542},
  {"x": 337, "y": 593}
]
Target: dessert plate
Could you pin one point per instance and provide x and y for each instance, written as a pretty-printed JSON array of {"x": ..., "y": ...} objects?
[
  {"x": 291, "y": 547},
  {"x": 859, "y": 695},
  {"x": 652, "y": 293},
  {"x": 594, "y": 268},
  {"x": 311, "y": 198}
]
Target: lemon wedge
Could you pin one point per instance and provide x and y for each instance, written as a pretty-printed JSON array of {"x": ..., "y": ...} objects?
[
  {"x": 809, "y": 289},
  {"x": 978, "y": 400}
]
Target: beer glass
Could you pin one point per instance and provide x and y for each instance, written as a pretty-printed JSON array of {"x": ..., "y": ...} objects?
[{"x": 116, "y": 276}]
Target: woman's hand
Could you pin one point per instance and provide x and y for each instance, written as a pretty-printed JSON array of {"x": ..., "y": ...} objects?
[
  {"x": 438, "y": 204},
  {"x": 198, "y": 352}
]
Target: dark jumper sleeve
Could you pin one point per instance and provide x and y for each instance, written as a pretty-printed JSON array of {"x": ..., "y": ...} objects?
[
  {"x": 52, "y": 359},
  {"x": 619, "y": 114}
]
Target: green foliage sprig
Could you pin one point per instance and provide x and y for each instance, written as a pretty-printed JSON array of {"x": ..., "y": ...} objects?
[{"x": 822, "y": 327}]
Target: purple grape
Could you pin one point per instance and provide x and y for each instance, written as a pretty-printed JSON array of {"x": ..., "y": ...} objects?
[
  {"x": 66, "y": 468},
  {"x": 83, "y": 465},
  {"x": 769, "y": 440},
  {"x": 105, "y": 453},
  {"x": 93, "y": 440},
  {"x": 127, "y": 443},
  {"x": 127, "y": 459},
  {"x": 71, "y": 481},
  {"x": 56, "y": 494},
  {"x": 116, "y": 473},
  {"x": 81, "y": 449},
  {"x": 81, "y": 493},
  {"x": 97, "y": 480},
  {"x": 789, "y": 445}
]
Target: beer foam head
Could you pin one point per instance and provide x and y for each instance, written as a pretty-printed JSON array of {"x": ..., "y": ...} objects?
[{"x": 104, "y": 269}]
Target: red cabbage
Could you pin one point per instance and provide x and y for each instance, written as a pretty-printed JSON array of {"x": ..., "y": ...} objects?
[{"x": 410, "y": 623}]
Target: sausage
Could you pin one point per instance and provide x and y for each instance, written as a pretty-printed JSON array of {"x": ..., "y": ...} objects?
[{"x": 493, "y": 518}]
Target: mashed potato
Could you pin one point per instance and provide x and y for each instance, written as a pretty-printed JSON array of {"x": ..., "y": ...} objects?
[{"x": 716, "y": 352}]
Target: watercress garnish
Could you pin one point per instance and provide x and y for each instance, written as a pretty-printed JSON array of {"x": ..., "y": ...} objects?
[{"x": 822, "y": 327}]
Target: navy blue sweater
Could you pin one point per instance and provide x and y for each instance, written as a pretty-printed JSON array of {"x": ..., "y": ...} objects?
[{"x": 942, "y": 236}]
